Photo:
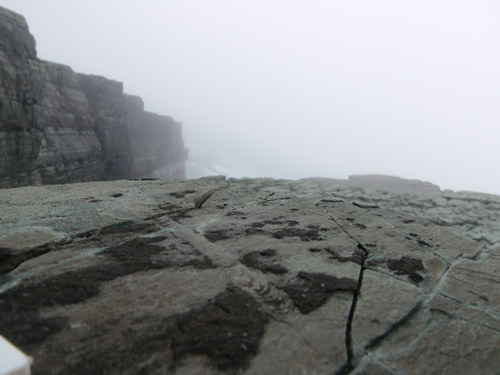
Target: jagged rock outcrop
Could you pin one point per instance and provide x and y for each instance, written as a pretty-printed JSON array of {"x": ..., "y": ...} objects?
[
  {"x": 252, "y": 276},
  {"x": 57, "y": 126}
]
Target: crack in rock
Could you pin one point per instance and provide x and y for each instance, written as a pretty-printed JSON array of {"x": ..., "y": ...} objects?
[{"x": 349, "y": 365}]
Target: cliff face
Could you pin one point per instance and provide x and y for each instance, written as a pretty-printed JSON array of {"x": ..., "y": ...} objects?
[{"x": 57, "y": 126}]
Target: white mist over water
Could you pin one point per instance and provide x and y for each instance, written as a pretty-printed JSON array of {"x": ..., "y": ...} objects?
[{"x": 295, "y": 89}]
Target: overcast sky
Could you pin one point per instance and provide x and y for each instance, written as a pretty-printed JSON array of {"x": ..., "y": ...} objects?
[{"x": 302, "y": 88}]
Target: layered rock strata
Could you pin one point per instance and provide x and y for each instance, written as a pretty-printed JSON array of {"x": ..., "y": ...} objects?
[
  {"x": 57, "y": 126},
  {"x": 250, "y": 276}
]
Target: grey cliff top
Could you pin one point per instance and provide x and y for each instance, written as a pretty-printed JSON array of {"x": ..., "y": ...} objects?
[{"x": 251, "y": 276}]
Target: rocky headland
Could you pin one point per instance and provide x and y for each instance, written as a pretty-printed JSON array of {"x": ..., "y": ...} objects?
[
  {"x": 249, "y": 276},
  {"x": 58, "y": 126}
]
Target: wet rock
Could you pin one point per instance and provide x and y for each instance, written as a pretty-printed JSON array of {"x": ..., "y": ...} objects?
[
  {"x": 263, "y": 276},
  {"x": 265, "y": 260},
  {"x": 312, "y": 290},
  {"x": 227, "y": 330}
]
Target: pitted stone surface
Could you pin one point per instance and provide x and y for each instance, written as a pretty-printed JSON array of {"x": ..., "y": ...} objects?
[{"x": 239, "y": 276}]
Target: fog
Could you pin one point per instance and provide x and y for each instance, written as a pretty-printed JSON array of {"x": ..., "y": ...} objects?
[{"x": 301, "y": 88}]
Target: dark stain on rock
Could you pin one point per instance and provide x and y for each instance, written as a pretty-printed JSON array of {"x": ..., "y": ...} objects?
[
  {"x": 217, "y": 235},
  {"x": 11, "y": 259},
  {"x": 128, "y": 227},
  {"x": 357, "y": 256},
  {"x": 20, "y": 319},
  {"x": 22, "y": 325},
  {"x": 274, "y": 221},
  {"x": 117, "y": 195},
  {"x": 311, "y": 226},
  {"x": 407, "y": 266},
  {"x": 303, "y": 234},
  {"x": 170, "y": 207},
  {"x": 258, "y": 224},
  {"x": 312, "y": 290},
  {"x": 252, "y": 231},
  {"x": 265, "y": 261},
  {"x": 177, "y": 194},
  {"x": 407, "y": 221},
  {"x": 181, "y": 194},
  {"x": 236, "y": 213},
  {"x": 227, "y": 330},
  {"x": 175, "y": 212}
]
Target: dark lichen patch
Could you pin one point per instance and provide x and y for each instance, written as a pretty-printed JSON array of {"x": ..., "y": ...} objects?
[
  {"x": 167, "y": 206},
  {"x": 265, "y": 261},
  {"x": 181, "y": 194},
  {"x": 236, "y": 213},
  {"x": 117, "y": 195},
  {"x": 136, "y": 254},
  {"x": 303, "y": 234},
  {"x": 142, "y": 254},
  {"x": 227, "y": 330},
  {"x": 258, "y": 224},
  {"x": 20, "y": 306},
  {"x": 357, "y": 256},
  {"x": 25, "y": 327},
  {"x": 274, "y": 221},
  {"x": 407, "y": 266},
  {"x": 252, "y": 231},
  {"x": 20, "y": 319},
  {"x": 175, "y": 212},
  {"x": 217, "y": 235},
  {"x": 11, "y": 259},
  {"x": 182, "y": 254},
  {"x": 129, "y": 227},
  {"x": 312, "y": 290},
  {"x": 177, "y": 194}
]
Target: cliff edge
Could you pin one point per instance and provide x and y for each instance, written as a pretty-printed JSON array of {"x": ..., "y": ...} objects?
[{"x": 57, "y": 126}]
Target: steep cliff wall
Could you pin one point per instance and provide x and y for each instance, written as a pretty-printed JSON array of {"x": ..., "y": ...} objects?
[{"x": 57, "y": 126}]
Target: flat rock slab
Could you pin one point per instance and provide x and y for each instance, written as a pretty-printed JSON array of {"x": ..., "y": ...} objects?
[{"x": 242, "y": 276}]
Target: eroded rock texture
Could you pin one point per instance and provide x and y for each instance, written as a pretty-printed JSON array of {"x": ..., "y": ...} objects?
[
  {"x": 241, "y": 276},
  {"x": 57, "y": 126}
]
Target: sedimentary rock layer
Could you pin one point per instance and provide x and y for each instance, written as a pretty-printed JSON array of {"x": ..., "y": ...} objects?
[
  {"x": 250, "y": 276},
  {"x": 57, "y": 126}
]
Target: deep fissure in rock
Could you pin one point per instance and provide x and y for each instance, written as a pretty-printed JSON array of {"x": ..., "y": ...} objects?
[{"x": 349, "y": 365}]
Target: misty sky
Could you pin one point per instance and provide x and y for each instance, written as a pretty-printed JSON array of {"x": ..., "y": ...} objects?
[{"x": 302, "y": 88}]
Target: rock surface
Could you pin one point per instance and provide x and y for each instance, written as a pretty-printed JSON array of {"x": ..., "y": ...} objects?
[
  {"x": 259, "y": 276},
  {"x": 379, "y": 182},
  {"x": 57, "y": 126}
]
